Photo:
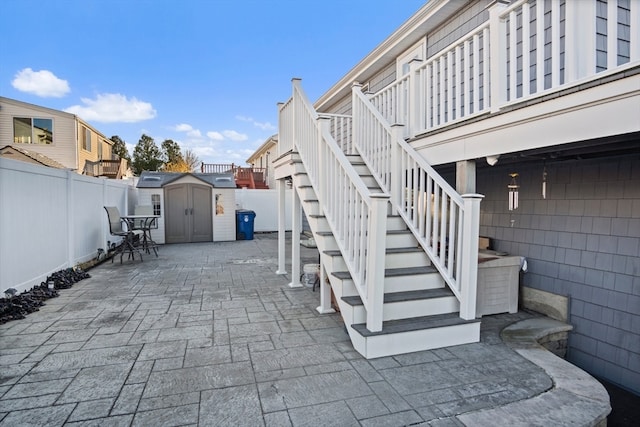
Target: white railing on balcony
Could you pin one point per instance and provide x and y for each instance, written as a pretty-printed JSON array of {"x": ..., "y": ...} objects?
[
  {"x": 356, "y": 215},
  {"x": 527, "y": 49},
  {"x": 445, "y": 223}
]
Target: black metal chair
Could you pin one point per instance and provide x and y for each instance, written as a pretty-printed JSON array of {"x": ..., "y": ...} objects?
[{"x": 131, "y": 237}]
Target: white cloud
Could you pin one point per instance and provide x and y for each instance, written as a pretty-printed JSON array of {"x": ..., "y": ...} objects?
[
  {"x": 234, "y": 136},
  {"x": 188, "y": 129},
  {"x": 261, "y": 125},
  {"x": 113, "y": 107},
  {"x": 183, "y": 127},
  {"x": 42, "y": 83},
  {"x": 216, "y": 136}
]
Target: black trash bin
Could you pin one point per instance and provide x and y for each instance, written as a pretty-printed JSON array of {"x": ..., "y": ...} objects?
[{"x": 244, "y": 224}]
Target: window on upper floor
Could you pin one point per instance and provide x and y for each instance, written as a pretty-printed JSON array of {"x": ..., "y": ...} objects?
[
  {"x": 28, "y": 130},
  {"x": 86, "y": 139}
]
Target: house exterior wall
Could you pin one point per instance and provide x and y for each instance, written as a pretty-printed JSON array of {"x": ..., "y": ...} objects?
[
  {"x": 100, "y": 148},
  {"x": 472, "y": 16},
  {"x": 63, "y": 148},
  {"x": 582, "y": 241}
]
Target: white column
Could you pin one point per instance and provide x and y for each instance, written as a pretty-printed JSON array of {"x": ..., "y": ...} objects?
[
  {"x": 375, "y": 262},
  {"x": 498, "y": 42},
  {"x": 325, "y": 293},
  {"x": 282, "y": 236},
  {"x": 466, "y": 176},
  {"x": 470, "y": 234},
  {"x": 295, "y": 241}
]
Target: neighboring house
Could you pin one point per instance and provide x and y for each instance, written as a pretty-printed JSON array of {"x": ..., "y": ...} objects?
[
  {"x": 192, "y": 207},
  {"x": 535, "y": 105},
  {"x": 262, "y": 160},
  {"x": 62, "y": 137}
]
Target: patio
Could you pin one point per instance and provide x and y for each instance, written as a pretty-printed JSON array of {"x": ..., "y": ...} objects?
[{"x": 208, "y": 334}]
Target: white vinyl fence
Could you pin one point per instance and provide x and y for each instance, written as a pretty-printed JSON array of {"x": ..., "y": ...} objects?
[
  {"x": 51, "y": 219},
  {"x": 265, "y": 204}
]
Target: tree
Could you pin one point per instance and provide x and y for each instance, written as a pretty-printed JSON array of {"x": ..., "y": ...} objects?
[
  {"x": 146, "y": 156},
  {"x": 120, "y": 148},
  {"x": 191, "y": 159},
  {"x": 171, "y": 151},
  {"x": 188, "y": 162}
]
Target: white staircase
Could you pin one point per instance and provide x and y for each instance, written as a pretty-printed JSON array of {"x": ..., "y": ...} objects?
[{"x": 419, "y": 310}]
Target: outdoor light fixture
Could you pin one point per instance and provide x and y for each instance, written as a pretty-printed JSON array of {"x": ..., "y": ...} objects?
[
  {"x": 513, "y": 192},
  {"x": 544, "y": 182}
]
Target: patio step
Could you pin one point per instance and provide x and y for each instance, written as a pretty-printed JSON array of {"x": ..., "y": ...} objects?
[
  {"x": 403, "y": 305},
  {"x": 414, "y": 334}
]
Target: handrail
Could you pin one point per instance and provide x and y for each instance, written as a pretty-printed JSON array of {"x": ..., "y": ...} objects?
[
  {"x": 433, "y": 211},
  {"x": 355, "y": 214}
]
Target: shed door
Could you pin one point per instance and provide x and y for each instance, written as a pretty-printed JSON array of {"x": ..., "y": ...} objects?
[{"x": 188, "y": 213}]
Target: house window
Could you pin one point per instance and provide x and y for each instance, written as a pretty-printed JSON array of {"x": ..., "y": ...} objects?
[
  {"x": 155, "y": 202},
  {"x": 27, "y": 130},
  {"x": 86, "y": 139},
  {"x": 100, "y": 142}
]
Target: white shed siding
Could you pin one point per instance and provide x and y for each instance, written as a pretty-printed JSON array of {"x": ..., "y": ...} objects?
[
  {"x": 63, "y": 149},
  {"x": 224, "y": 224}
]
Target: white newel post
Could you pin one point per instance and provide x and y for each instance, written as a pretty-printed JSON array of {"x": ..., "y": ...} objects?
[
  {"x": 497, "y": 44},
  {"x": 413, "y": 102},
  {"x": 325, "y": 293},
  {"x": 295, "y": 241},
  {"x": 470, "y": 235},
  {"x": 396, "y": 167},
  {"x": 356, "y": 119},
  {"x": 375, "y": 261},
  {"x": 282, "y": 236}
]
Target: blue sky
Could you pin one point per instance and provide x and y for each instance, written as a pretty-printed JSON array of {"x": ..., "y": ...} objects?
[{"x": 207, "y": 74}]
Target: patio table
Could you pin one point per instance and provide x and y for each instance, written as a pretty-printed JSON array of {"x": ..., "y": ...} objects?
[{"x": 145, "y": 223}]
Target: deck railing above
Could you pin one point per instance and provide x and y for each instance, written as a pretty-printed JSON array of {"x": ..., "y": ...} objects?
[
  {"x": 245, "y": 176},
  {"x": 525, "y": 50},
  {"x": 114, "y": 169}
]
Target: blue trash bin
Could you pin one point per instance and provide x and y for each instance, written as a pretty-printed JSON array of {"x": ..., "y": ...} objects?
[{"x": 244, "y": 224}]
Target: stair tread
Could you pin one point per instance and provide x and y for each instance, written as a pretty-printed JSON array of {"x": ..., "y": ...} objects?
[
  {"x": 414, "y": 324},
  {"x": 405, "y": 231},
  {"x": 336, "y": 252},
  {"x": 404, "y": 296},
  {"x": 393, "y": 272}
]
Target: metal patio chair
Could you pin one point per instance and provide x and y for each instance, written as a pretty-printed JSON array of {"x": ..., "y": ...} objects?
[{"x": 131, "y": 237}]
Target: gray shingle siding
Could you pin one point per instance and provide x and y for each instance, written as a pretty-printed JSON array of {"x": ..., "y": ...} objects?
[{"x": 582, "y": 241}]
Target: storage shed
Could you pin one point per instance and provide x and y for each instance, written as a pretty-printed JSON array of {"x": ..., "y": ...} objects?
[{"x": 193, "y": 207}]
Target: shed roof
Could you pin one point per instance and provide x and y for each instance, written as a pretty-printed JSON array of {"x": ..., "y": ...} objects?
[{"x": 149, "y": 179}]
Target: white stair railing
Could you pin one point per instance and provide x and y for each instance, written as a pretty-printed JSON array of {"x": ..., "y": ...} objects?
[
  {"x": 445, "y": 223},
  {"x": 357, "y": 216}
]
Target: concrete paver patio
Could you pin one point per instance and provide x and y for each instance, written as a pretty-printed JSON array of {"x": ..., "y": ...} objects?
[{"x": 207, "y": 334}]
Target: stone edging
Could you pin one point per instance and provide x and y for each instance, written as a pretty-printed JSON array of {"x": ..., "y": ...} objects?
[{"x": 576, "y": 398}]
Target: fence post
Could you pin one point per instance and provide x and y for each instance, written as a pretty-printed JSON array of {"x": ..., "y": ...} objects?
[
  {"x": 375, "y": 261},
  {"x": 70, "y": 219},
  {"x": 470, "y": 235}
]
